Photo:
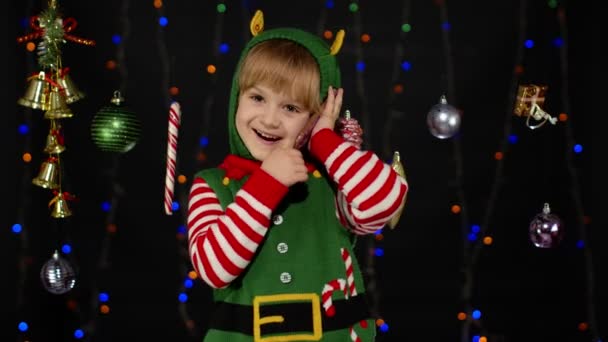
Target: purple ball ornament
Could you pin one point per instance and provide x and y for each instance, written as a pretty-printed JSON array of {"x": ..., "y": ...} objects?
[{"x": 546, "y": 230}]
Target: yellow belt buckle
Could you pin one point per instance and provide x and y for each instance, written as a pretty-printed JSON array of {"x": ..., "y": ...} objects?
[{"x": 313, "y": 298}]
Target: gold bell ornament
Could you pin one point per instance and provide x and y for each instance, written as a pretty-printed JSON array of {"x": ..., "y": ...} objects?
[
  {"x": 58, "y": 107},
  {"x": 72, "y": 94},
  {"x": 60, "y": 206},
  {"x": 398, "y": 167},
  {"x": 48, "y": 176},
  {"x": 54, "y": 140},
  {"x": 37, "y": 92}
]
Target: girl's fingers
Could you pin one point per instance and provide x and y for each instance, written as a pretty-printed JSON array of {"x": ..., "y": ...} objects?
[{"x": 338, "y": 102}]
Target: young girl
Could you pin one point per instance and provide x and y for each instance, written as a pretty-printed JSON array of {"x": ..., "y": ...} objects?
[{"x": 272, "y": 229}]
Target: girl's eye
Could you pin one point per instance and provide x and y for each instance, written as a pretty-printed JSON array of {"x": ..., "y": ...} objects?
[
  {"x": 292, "y": 108},
  {"x": 256, "y": 98}
]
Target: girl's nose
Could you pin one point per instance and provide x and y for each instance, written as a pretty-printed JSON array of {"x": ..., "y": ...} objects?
[{"x": 271, "y": 118}]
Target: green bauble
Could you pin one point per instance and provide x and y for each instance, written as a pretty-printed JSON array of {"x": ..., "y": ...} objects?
[{"x": 115, "y": 128}]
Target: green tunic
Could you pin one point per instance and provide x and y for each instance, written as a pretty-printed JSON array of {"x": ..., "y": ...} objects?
[{"x": 299, "y": 255}]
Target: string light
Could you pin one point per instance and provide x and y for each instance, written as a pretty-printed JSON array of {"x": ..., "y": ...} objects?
[{"x": 575, "y": 191}]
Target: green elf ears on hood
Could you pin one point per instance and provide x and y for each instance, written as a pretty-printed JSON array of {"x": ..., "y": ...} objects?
[{"x": 324, "y": 54}]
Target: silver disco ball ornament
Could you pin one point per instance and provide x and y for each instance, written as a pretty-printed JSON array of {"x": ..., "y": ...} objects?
[
  {"x": 443, "y": 119},
  {"x": 57, "y": 275}
]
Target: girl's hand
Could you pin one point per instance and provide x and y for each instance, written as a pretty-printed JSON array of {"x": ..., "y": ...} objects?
[
  {"x": 330, "y": 110},
  {"x": 286, "y": 165}
]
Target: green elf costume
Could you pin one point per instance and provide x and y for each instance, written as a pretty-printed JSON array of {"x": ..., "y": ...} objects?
[{"x": 281, "y": 260}]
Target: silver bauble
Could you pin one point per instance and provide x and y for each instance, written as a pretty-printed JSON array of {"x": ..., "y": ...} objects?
[
  {"x": 57, "y": 275},
  {"x": 443, "y": 119}
]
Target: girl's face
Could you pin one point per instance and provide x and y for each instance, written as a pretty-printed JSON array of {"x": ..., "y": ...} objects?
[{"x": 266, "y": 120}]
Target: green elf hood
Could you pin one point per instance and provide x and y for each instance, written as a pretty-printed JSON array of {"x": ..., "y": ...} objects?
[{"x": 318, "y": 48}]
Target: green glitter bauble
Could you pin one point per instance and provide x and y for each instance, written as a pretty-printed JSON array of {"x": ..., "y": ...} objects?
[{"x": 115, "y": 128}]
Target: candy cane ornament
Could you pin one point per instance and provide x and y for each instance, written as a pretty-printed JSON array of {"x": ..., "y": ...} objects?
[
  {"x": 329, "y": 288},
  {"x": 348, "y": 264},
  {"x": 173, "y": 130},
  {"x": 350, "y": 283}
]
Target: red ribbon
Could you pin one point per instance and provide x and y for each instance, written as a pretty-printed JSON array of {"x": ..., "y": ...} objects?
[
  {"x": 66, "y": 195},
  {"x": 57, "y": 134},
  {"x": 69, "y": 25}
]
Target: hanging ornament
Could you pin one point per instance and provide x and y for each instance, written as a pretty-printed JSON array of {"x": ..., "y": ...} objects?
[
  {"x": 115, "y": 128},
  {"x": 350, "y": 129},
  {"x": 546, "y": 230},
  {"x": 57, "y": 275},
  {"x": 398, "y": 167},
  {"x": 530, "y": 99},
  {"x": 443, "y": 119}
]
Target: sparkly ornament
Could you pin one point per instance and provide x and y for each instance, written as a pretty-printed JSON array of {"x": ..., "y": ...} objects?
[
  {"x": 546, "y": 230},
  {"x": 530, "y": 99},
  {"x": 443, "y": 119},
  {"x": 398, "y": 167},
  {"x": 350, "y": 129},
  {"x": 115, "y": 128},
  {"x": 57, "y": 275}
]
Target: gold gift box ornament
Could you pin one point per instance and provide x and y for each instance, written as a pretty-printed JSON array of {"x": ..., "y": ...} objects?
[{"x": 530, "y": 99}]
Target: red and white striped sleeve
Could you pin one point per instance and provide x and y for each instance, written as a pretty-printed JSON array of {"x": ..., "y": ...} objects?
[
  {"x": 222, "y": 243},
  {"x": 370, "y": 192}
]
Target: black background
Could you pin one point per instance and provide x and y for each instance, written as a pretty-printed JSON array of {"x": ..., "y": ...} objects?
[{"x": 524, "y": 293}]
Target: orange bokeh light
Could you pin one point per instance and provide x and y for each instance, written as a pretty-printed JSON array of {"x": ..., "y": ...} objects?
[
  {"x": 111, "y": 64},
  {"x": 72, "y": 304},
  {"x": 111, "y": 228}
]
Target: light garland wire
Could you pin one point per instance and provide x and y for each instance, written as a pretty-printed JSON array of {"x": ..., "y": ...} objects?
[
  {"x": 22, "y": 217},
  {"x": 99, "y": 299},
  {"x": 387, "y": 149},
  {"x": 575, "y": 188},
  {"x": 470, "y": 259},
  {"x": 186, "y": 270},
  {"x": 166, "y": 73},
  {"x": 456, "y": 146}
]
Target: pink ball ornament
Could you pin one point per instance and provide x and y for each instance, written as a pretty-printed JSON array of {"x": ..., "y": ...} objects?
[{"x": 546, "y": 230}]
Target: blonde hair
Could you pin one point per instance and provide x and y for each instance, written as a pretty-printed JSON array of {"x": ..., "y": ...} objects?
[{"x": 285, "y": 67}]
